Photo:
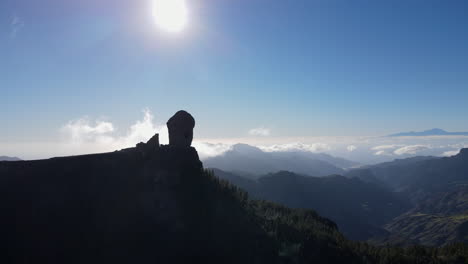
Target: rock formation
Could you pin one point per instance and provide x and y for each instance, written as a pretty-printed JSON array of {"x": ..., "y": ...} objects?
[
  {"x": 180, "y": 128},
  {"x": 463, "y": 152}
]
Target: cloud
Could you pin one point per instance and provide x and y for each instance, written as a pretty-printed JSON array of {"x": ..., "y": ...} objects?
[
  {"x": 261, "y": 131},
  {"x": 315, "y": 147},
  {"x": 82, "y": 135},
  {"x": 207, "y": 150},
  {"x": 351, "y": 148},
  {"x": 88, "y": 135},
  {"x": 459, "y": 145},
  {"x": 82, "y": 130},
  {"x": 16, "y": 25},
  {"x": 386, "y": 147},
  {"x": 450, "y": 153},
  {"x": 412, "y": 150},
  {"x": 382, "y": 153},
  {"x": 143, "y": 130}
]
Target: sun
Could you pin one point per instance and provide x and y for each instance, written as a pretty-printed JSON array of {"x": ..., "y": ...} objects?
[{"x": 170, "y": 15}]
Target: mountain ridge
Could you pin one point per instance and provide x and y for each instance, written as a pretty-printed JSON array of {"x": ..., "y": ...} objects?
[
  {"x": 437, "y": 189},
  {"x": 430, "y": 132},
  {"x": 7, "y": 158},
  {"x": 359, "y": 208},
  {"x": 252, "y": 160}
]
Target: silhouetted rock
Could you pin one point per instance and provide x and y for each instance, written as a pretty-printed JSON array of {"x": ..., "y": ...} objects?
[
  {"x": 153, "y": 142},
  {"x": 180, "y": 128},
  {"x": 150, "y": 146},
  {"x": 463, "y": 152}
]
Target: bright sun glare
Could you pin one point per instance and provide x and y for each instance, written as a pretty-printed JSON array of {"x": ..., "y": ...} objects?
[{"x": 170, "y": 15}]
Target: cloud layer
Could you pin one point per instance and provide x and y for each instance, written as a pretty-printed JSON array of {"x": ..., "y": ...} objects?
[
  {"x": 81, "y": 135},
  {"x": 411, "y": 150},
  {"x": 85, "y": 135},
  {"x": 314, "y": 147}
]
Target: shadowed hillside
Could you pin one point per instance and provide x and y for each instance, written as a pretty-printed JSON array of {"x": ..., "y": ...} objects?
[
  {"x": 359, "y": 208},
  {"x": 437, "y": 189}
]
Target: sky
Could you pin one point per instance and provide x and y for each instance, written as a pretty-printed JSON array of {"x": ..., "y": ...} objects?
[{"x": 252, "y": 70}]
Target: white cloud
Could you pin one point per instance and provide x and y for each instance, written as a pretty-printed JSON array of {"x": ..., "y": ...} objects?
[
  {"x": 207, "y": 150},
  {"x": 382, "y": 153},
  {"x": 87, "y": 135},
  {"x": 386, "y": 147},
  {"x": 16, "y": 25},
  {"x": 82, "y": 130},
  {"x": 315, "y": 147},
  {"x": 82, "y": 135},
  {"x": 450, "y": 153},
  {"x": 459, "y": 145},
  {"x": 143, "y": 130},
  {"x": 412, "y": 150},
  {"x": 260, "y": 131},
  {"x": 351, "y": 148}
]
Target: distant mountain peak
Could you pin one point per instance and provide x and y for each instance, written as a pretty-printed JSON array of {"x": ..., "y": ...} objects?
[
  {"x": 430, "y": 132},
  {"x": 255, "y": 161},
  {"x": 436, "y": 130},
  {"x": 245, "y": 148}
]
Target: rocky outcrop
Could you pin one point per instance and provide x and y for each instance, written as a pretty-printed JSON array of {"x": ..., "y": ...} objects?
[
  {"x": 180, "y": 128},
  {"x": 148, "y": 147},
  {"x": 463, "y": 153}
]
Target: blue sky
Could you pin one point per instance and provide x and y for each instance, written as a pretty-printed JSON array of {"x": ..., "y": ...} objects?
[{"x": 296, "y": 68}]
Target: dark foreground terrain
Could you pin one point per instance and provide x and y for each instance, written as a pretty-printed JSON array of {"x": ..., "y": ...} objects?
[{"x": 158, "y": 205}]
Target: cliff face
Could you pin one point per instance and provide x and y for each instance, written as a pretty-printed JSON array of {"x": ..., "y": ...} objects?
[{"x": 95, "y": 203}]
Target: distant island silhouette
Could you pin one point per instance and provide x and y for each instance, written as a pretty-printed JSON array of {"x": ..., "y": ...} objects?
[{"x": 430, "y": 132}]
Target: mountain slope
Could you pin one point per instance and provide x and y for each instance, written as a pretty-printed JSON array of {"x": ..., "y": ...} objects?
[
  {"x": 426, "y": 229},
  {"x": 440, "y": 220},
  {"x": 357, "y": 207},
  {"x": 421, "y": 176},
  {"x": 247, "y": 159},
  {"x": 393, "y": 174},
  {"x": 437, "y": 188}
]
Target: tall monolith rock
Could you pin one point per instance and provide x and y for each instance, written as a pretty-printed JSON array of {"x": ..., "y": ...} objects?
[{"x": 180, "y": 128}]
